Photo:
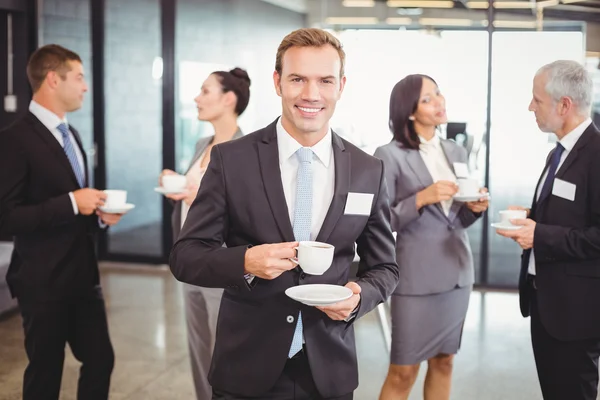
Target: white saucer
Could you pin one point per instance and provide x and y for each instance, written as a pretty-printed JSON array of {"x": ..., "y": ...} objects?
[
  {"x": 163, "y": 190},
  {"x": 319, "y": 294},
  {"x": 472, "y": 197},
  {"x": 507, "y": 227},
  {"x": 122, "y": 209}
]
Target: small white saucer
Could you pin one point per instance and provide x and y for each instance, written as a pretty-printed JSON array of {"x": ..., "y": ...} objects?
[
  {"x": 319, "y": 294},
  {"x": 163, "y": 190},
  {"x": 506, "y": 227},
  {"x": 122, "y": 209},
  {"x": 472, "y": 197}
]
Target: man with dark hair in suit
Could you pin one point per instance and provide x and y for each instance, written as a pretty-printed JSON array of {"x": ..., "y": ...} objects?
[
  {"x": 47, "y": 206},
  {"x": 559, "y": 285},
  {"x": 295, "y": 180}
]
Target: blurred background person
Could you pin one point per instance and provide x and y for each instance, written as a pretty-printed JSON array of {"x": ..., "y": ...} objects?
[
  {"x": 223, "y": 98},
  {"x": 430, "y": 303}
]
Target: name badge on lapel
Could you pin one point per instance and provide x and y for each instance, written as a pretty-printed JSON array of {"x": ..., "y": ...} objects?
[
  {"x": 358, "y": 204},
  {"x": 564, "y": 189},
  {"x": 461, "y": 170}
]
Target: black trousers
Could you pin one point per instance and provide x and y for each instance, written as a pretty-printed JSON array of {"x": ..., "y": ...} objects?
[
  {"x": 295, "y": 383},
  {"x": 79, "y": 321},
  {"x": 566, "y": 370}
]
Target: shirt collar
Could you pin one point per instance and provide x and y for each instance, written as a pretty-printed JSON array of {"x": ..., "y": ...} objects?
[
  {"x": 46, "y": 117},
  {"x": 571, "y": 138},
  {"x": 288, "y": 146},
  {"x": 433, "y": 142}
]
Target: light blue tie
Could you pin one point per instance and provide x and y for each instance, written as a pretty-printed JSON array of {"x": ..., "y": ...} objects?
[
  {"x": 302, "y": 221},
  {"x": 71, "y": 155}
]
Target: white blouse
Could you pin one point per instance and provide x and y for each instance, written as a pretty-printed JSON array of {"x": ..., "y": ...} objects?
[{"x": 437, "y": 164}]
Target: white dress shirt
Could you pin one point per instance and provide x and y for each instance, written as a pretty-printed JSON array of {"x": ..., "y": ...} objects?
[
  {"x": 323, "y": 175},
  {"x": 51, "y": 121},
  {"x": 568, "y": 142},
  {"x": 323, "y": 178},
  {"x": 437, "y": 164}
]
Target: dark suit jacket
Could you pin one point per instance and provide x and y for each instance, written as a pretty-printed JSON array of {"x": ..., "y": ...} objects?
[
  {"x": 567, "y": 248},
  {"x": 201, "y": 145},
  {"x": 241, "y": 202},
  {"x": 54, "y": 253}
]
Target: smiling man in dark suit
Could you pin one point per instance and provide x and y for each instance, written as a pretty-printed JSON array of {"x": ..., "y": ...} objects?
[
  {"x": 46, "y": 204},
  {"x": 559, "y": 284},
  {"x": 294, "y": 180}
]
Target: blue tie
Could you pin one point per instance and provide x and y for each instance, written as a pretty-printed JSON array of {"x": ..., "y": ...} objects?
[
  {"x": 554, "y": 161},
  {"x": 302, "y": 221},
  {"x": 71, "y": 155}
]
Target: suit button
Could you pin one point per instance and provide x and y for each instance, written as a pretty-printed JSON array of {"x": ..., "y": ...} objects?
[
  {"x": 302, "y": 275},
  {"x": 290, "y": 319},
  {"x": 451, "y": 227}
]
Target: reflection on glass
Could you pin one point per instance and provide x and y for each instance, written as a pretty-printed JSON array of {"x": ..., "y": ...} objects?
[
  {"x": 518, "y": 148},
  {"x": 133, "y": 104}
]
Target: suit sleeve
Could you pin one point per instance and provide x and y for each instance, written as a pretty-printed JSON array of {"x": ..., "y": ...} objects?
[
  {"x": 378, "y": 273},
  {"x": 198, "y": 256},
  {"x": 560, "y": 243},
  {"x": 16, "y": 216},
  {"x": 403, "y": 211}
]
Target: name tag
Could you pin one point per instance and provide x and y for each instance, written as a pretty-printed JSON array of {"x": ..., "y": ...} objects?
[
  {"x": 359, "y": 204},
  {"x": 461, "y": 170},
  {"x": 564, "y": 189}
]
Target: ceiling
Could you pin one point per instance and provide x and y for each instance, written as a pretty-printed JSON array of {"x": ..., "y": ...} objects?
[{"x": 319, "y": 11}]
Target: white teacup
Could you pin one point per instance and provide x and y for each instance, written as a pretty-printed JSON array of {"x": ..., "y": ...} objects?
[
  {"x": 468, "y": 187},
  {"x": 507, "y": 215},
  {"x": 315, "y": 257},
  {"x": 174, "y": 182},
  {"x": 115, "y": 198}
]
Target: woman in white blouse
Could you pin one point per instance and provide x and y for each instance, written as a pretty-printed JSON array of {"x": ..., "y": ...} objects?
[
  {"x": 223, "y": 98},
  {"x": 432, "y": 248}
]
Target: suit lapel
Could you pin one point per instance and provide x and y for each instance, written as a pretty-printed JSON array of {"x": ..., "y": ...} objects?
[
  {"x": 268, "y": 154},
  {"x": 452, "y": 157},
  {"x": 200, "y": 147},
  {"x": 53, "y": 144},
  {"x": 203, "y": 144},
  {"x": 341, "y": 158},
  {"x": 416, "y": 163},
  {"x": 572, "y": 157}
]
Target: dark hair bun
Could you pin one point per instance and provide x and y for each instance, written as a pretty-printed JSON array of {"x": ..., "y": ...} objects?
[{"x": 241, "y": 74}]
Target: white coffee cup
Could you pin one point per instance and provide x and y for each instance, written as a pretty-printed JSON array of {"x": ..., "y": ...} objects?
[
  {"x": 314, "y": 257},
  {"x": 174, "y": 182},
  {"x": 507, "y": 215},
  {"x": 468, "y": 187},
  {"x": 115, "y": 198}
]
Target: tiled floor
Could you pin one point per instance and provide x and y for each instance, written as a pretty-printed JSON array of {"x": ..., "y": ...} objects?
[{"x": 148, "y": 333}]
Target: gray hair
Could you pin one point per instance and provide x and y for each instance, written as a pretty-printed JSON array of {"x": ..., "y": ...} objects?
[{"x": 569, "y": 79}]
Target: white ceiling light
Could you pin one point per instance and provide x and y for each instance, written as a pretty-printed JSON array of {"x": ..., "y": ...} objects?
[
  {"x": 421, "y": 3},
  {"x": 358, "y": 3},
  {"x": 352, "y": 21}
]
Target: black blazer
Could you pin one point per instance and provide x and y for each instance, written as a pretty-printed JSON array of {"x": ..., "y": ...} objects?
[
  {"x": 241, "y": 202},
  {"x": 54, "y": 254},
  {"x": 567, "y": 248}
]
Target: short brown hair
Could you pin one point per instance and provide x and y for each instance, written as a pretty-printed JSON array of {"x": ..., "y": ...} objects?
[
  {"x": 51, "y": 57},
  {"x": 309, "y": 37}
]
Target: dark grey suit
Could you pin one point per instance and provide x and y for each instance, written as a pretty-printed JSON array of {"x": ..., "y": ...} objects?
[
  {"x": 449, "y": 261},
  {"x": 201, "y": 304},
  {"x": 241, "y": 202},
  {"x": 430, "y": 303}
]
